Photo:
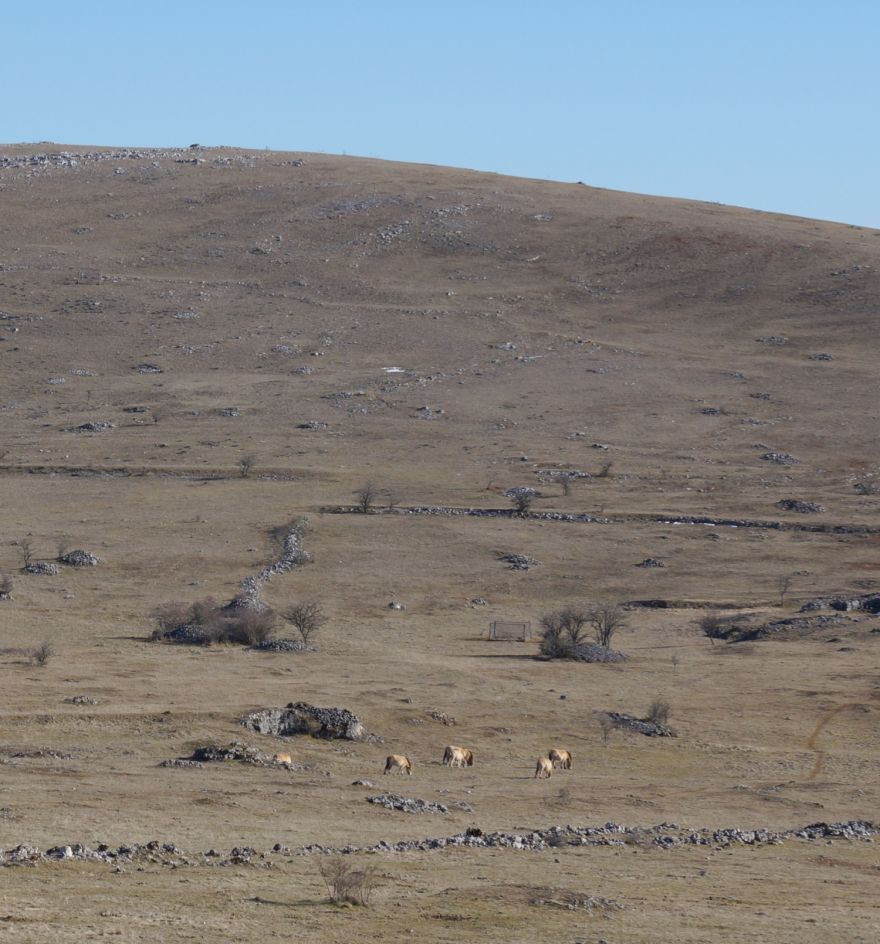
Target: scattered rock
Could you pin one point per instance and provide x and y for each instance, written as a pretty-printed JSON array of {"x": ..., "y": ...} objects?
[
  {"x": 392, "y": 801},
  {"x": 283, "y": 645},
  {"x": 443, "y": 718},
  {"x": 230, "y": 411},
  {"x": 81, "y": 700},
  {"x": 94, "y": 426},
  {"x": 821, "y": 357},
  {"x": 519, "y": 561},
  {"x": 640, "y": 725},
  {"x": 802, "y": 507},
  {"x": 780, "y": 458},
  {"x": 773, "y": 339},
  {"x": 148, "y": 369},
  {"x": 651, "y": 562},
  {"x": 312, "y": 424}
]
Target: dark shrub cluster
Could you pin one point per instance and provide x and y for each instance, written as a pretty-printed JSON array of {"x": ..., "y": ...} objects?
[{"x": 205, "y": 622}]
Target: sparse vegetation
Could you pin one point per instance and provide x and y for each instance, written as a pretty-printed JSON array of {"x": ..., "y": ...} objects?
[
  {"x": 606, "y": 620},
  {"x": 347, "y": 884},
  {"x": 62, "y": 547},
  {"x": 5, "y": 587},
  {"x": 605, "y": 471},
  {"x": 25, "y": 551},
  {"x": 784, "y": 584},
  {"x": 606, "y": 726},
  {"x": 522, "y": 499},
  {"x": 246, "y": 465},
  {"x": 205, "y": 622},
  {"x": 366, "y": 497},
  {"x": 307, "y": 618},
  {"x": 42, "y": 654},
  {"x": 712, "y": 626},
  {"x": 658, "y": 711}
]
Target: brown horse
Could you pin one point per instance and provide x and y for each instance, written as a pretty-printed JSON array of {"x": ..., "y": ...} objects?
[
  {"x": 398, "y": 762},
  {"x": 543, "y": 769},
  {"x": 458, "y": 757}
]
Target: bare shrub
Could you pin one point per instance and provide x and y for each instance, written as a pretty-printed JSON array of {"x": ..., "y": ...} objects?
[
  {"x": 366, "y": 497},
  {"x": 606, "y": 726},
  {"x": 246, "y": 465},
  {"x": 5, "y": 587},
  {"x": 211, "y": 622},
  {"x": 347, "y": 884},
  {"x": 784, "y": 584},
  {"x": 62, "y": 547},
  {"x": 658, "y": 711},
  {"x": 42, "y": 654},
  {"x": 712, "y": 626},
  {"x": 26, "y": 551},
  {"x": 562, "y": 630},
  {"x": 522, "y": 499},
  {"x": 306, "y": 617},
  {"x": 606, "y": 620},
  {"x": 248, "y": 627},
  {"x": 565, "y": 481},
  {"x": 605, "y": 471}
]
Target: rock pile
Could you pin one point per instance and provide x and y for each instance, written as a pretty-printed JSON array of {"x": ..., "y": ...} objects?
[
  {"x": 79, "y": 558},
  {"x": 866, "y": 602},
  {"x": 593, "y": 652},
  {"x": 519, "y": 561},
  {"x": 640, "y": 725},
  {"x": 41, "y": 569},
  {"x": 301, "y": 718},
  {"x": 283, "y": 645},
  {"x": 802, "y": 507},
  {"x": 392, "y": 801}
]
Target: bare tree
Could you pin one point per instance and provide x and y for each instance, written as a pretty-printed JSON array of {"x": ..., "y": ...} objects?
[
  {"x": 307, "y": 617},
  {"x": 522, "y": 498},
  {"x": 26, "y": 550},
  {"x": 390, "y": 498},
  {"x": 606, "y": 619},
  {"x": 565, "y": 481},
  {"x": 366, "y": 497},
  {"x": 42, "y": 654},
  {"x": 563, "y": 630},
  {"x": 784, "y": 584},
  {"x": 606, "y": 726}
]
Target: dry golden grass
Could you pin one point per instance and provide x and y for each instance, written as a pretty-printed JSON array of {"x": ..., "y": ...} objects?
[{"x": 640, "y": 312}]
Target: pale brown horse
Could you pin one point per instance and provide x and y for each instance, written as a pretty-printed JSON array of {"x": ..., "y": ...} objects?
[
  {"x": 398, "y": 762},
  {"x": 458, "y": 757},
  {"x": 544, "y": 768},
  {"x": 560, "y": 758}
]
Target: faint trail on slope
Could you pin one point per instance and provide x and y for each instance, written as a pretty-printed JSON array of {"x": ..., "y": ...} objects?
[{"x": 819, "y": 763}]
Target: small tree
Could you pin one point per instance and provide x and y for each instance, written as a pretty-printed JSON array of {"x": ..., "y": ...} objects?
[
  {"x": 565, "y": 481},
  {"x": 246, "y": 465},
  {"x": 784, "y": 583},
  {"x": 26, "y": 550},
  {"x": 366, "y": 497},
  {"x": 606, "y": 619},
  {"x": 306, "y": 617},
  {"x": 606, "y": 726},
  {"x": 42, "y": 654},
  {"x": 522, "y": 499}
]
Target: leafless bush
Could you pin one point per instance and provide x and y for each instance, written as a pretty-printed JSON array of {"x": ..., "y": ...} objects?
[
  {"x": 605, "y": 471},
  {"x": 347, "y": 884},
  {"x": 306, "y": 617},
  {"x": 246, "y": 465},
  {"x": 606, "y": 620},
  {"x": 26, "y": 551},
  {"x": 658, "y": 711},
  {"x": 562, "y": 630},
  {"x": 211, "y": 622},
  {"x": 366, "y": 497},
  {"x": 522, "y": 499},
  {"x": 713, "y": 626},
  {"x": 5, "y": 587},
  {"x": 42, "y": 653},
  {"x": 62, "y": 547},
  {"x": 784, "y": 584},
  {"x": 606, "y": 726}
]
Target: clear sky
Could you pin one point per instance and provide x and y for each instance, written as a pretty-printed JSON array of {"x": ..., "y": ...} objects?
[{"x": 771, "y": 104}]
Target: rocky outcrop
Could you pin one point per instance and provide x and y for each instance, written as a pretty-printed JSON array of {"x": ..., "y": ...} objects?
[
  {"x": 402, "y": 804},
  {"x": 301, "y": 718},
  {"x": 640, "y": 725}
]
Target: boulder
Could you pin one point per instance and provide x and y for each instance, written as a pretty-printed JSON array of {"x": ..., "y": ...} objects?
[{"x": 301, "y": 718}]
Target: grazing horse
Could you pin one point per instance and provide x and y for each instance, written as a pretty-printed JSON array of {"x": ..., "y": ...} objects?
[
  {"x": 458, "y": 757},
  {"x": 560, "y": 758},
  {"x": 284, "y": 759},
  {"x": 397, "y": 762},
  {"x": 544, "y": 768}
]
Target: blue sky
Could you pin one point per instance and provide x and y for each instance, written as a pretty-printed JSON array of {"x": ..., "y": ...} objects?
[{"x": 772, "y": 104}]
